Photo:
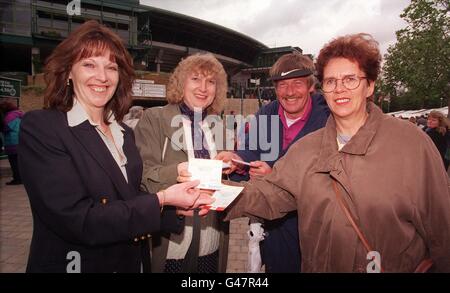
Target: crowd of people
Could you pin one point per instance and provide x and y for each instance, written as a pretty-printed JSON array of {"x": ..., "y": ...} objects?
[
  {"x": 11, "y": 117},
  {"x": 342, "y": 187},
  {"x": 437, "y": 126}
]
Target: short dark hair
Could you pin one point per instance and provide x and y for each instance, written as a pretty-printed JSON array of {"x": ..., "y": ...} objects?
[
  {"x": 360, "y": 48},
  {"x": 90, "y": 39}
]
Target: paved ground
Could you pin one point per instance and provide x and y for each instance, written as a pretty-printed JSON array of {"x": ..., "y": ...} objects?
[
  {"x": 15, "y": 224},
  {"x": 16, "y": 228}
]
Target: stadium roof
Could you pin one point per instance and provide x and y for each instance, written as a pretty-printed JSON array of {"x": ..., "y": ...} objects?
[{"x": 176, "y": 32}]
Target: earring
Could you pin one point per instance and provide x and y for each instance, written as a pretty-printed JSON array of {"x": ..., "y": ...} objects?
[{"x": 68, "y": 82}]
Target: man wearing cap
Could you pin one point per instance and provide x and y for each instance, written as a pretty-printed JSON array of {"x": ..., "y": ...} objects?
[{"x": 298, "y": 112}]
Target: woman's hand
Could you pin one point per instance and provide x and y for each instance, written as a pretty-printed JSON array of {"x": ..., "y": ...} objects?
[
  {"x": 183, "y": 173},
  {"x": 203, "y": 210},
  {"x": 185, "y": 196}
]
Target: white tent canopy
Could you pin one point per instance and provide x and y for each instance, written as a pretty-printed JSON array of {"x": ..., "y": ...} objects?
[{"x": 414, "y": 113}]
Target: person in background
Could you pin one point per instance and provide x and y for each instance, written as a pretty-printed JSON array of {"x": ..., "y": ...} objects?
[
  {"x": 2, "y": 140},
  {"x": 437, "y": 131},
  {"x": 196, "y": 88},
  {"x": 132, "y": 117},
  {"x": 298, "y": 112},
  {"x": 12, "y": 117},
  {"x": 362, "y": 205},
  {"x": 81, "y": 168},
  {"x": 422, "y": 122}
]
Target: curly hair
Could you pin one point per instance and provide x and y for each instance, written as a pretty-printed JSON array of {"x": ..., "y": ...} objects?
[
  {"x": 360, "y": 48},
  {"x": 90, "y": 39},
  {"x": 206, "y": 64}
]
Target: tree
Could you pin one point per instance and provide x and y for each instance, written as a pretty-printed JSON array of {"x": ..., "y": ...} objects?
[{"x": 418, "y": 66}]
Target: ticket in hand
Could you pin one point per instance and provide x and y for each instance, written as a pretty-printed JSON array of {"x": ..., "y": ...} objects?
[
  {"x": 224, "y": 197},
  {"x": 209, "y": 172},
  {"x": 240, "y": 162},
  {"x": 226, "y": 165}
]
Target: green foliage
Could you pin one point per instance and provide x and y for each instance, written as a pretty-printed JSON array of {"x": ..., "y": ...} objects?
[{"x": 416, "y": 73}]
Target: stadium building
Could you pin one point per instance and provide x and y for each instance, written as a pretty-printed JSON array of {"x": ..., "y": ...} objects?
[{"x": 157, "y": 39}]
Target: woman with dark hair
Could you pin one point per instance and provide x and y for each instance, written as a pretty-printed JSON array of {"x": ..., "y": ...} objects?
[
  {"x": 12, "y": 117},
  {"x": 81, "y": 168},
  {"x": 370, "y": 191}
]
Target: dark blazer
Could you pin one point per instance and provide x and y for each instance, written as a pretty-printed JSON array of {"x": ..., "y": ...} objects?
[
  {"x": 317, "y": 120},
  {"x": 440, "y": 141},
  {"x": 80, "y": 200}
]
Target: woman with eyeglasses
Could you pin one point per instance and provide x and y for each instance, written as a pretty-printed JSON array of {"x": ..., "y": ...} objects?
[{"x": 370, "y": 190}]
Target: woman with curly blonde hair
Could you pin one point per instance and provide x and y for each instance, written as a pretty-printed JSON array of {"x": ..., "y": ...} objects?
[
  {"x": 196, "y": 89},
  {"x": 205, "y": 64}
]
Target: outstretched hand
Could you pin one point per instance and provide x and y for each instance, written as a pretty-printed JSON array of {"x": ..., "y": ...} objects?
[
  {"x": 185, "y": 195},
  {"x": 203, "y": 200},
  {"x": 227, "y": 157}
]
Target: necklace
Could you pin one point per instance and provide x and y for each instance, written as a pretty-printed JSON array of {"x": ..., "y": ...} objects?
[{"x": 105, "y": 130}]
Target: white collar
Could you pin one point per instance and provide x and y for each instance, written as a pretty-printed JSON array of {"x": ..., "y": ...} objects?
[
  {"x": 290, "y": 121},
  {"x": 78, "y": 115}
]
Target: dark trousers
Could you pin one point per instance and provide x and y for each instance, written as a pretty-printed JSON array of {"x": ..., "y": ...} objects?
[
  {"x": 14, "y": 162},
  {"x": 280, "y": 247}
]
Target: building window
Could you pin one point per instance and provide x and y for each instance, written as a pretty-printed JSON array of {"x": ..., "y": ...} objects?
[{"x": 15, "y": 17}]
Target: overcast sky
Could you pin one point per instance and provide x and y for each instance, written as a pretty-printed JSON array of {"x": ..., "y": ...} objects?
[{"x": 308, "y": 24}]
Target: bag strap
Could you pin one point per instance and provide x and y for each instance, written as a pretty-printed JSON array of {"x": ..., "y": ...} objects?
[
  {"x": 190, "y": 263},
  {"x": 424, "y": 266},
  {"x": 349, "y": 216}
]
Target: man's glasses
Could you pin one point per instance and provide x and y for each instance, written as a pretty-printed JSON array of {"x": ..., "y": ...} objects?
[{"x": 350, "y": 82}]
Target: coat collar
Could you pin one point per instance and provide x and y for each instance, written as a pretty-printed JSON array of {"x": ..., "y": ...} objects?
[
  {"x": 78, "y": 115},
  {"x": 318, "y": 109},
  {"x": 168, "y": 113},
  {"x": 358, "y": 145}
]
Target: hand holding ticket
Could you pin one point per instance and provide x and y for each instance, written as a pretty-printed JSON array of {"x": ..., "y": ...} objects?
[
  {"x": 226, "y": 165},
  {"x": 240, "y": 162},
  {"x": 224, "y": 197},
  {"x": 209, "y": 172}
]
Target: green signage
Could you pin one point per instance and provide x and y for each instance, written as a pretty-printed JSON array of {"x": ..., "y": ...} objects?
[{"x": 9, "y": 88}]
